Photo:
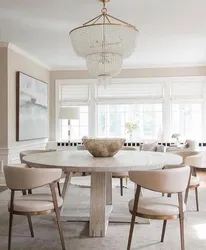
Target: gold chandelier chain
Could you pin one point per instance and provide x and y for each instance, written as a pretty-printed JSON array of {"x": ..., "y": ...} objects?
[
  {"x": 121, "y": 21},
  {"x": 95, "y": 19},
  {"x": 106, "y": 18}
]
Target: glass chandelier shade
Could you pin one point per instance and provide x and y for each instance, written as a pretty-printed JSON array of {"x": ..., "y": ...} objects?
[{"x": 104, "y": 42}]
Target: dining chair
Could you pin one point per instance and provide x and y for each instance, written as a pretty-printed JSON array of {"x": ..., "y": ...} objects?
[
  {"x": 122, "y": 175},
  {"x": 152, "y": 146},
  {"x": 160, "y": 208},
  {"x": 38, "y": 151},
  {"x": 22, "y": 178},
  {"x": 194, "y": 160}
]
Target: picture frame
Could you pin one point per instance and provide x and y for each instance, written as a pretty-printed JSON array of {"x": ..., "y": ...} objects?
[{"x": 31, "y": 108}]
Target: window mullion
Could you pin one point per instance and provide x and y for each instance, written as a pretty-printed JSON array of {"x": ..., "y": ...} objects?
[{"x": 166, "y": 126}]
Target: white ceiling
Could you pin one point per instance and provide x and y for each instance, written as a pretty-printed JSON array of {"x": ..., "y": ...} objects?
[{"x": 172, "y": 32}]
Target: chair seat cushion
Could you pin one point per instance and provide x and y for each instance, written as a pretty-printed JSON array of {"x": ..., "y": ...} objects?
[
  {"x": 195, "y": 180},
  {"x": 35, "y": 203},
  {"x": 120, "y": 174},
  {"x": 162, "y": 206}
]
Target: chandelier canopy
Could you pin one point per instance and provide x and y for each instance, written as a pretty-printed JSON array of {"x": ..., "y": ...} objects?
[{"x": 104, "y": 42}]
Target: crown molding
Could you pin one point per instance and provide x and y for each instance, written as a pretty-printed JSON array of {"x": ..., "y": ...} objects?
[
  {"x": 4, "y": 44},
  {"x": 68, "y": 68},
  {"x": 138, "y": 67},
  {"x": 24, "y": 53},
  {"x": 79, "y": 68},
  {"x": 27, "y": 55}
]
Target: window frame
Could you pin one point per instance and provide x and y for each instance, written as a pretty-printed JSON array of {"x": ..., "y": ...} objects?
[
  {"x": 142, "y": 113},
  {"x": 166, "y": 101}
]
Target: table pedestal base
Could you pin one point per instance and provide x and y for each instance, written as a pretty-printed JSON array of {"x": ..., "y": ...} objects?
[{"x": 99, "y": 213}]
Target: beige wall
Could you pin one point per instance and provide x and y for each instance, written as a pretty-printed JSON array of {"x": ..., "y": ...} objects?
[
  {"x": 17, "y": 62},
  {"x": 3, "y": 99},
  {"x": 126, "y": 73}
]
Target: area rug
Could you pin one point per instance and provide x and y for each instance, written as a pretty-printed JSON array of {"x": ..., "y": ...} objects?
[{"x": 146, "y": 237}]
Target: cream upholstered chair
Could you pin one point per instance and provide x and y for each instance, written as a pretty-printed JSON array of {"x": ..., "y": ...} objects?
[
  {"x": 122, "y": 175},
  {"x": 194, "y": 160},
  {"x": 38, "y": 151},
  {"x": 189, "y": 145},
  {"x": 21, "y": 178},
  {"x": 161, "y": 208},
  {"x": 152, "y": 146}
]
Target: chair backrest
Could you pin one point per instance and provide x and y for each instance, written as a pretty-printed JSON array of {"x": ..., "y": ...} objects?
[
  {"x": 21, "y": 177},
  {"x": 195, "y": 161},
  {"x": 128, "y": 148},
  {"x": 149, "y": 146},
  {"x": 81, "y": 147},
  {"x": 191, "y": 158},
  {"x": 160, "y": 148},
  {"x": 35, "y": 151},
  {"x": 173, "y": 180},
  {"x": 191, "y": 145}
]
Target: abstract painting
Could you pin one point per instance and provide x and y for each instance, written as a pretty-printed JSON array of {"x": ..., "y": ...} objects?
[{"x": 31, "y": 108}]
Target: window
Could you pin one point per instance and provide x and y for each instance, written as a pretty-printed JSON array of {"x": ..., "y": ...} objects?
[
  {"x": 187, "y": 120},
  {"x": 74, "y": 94},
  {"x": 78, "y": 128},
  {"x": 160, "y": 106},
  {"x": 187, "y": 99},
  {"x": 113, "y": 117}
]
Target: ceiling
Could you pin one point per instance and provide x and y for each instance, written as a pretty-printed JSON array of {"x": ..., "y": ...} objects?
[{"x": 172, "y": 33}]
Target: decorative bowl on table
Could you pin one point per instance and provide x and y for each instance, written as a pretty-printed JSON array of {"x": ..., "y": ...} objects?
[{"x": 103, "y": 147}]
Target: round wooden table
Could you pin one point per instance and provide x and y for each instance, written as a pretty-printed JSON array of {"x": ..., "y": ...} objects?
[{"x": 101, "y": 175}]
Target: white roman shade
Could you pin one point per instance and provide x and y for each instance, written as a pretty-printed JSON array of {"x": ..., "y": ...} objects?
[
  {"x": 187, "y": 90},
  {"x": 130, "y": 91},
  {"x": 73, "y": 93}
]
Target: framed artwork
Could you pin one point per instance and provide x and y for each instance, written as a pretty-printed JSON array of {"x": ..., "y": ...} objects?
[{"x": 31, "y": 108}]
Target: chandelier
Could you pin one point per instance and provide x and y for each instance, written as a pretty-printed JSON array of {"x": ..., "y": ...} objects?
[{"x": 104, "y": 42}]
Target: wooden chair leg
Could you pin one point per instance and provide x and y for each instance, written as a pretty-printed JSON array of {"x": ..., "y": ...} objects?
[
  {"x": 30, "y": 226},
  {"x": 66, "y": 184},
  {"x": 121, "y": 186},
  {"x": 57, "y": 212},
  {"x": 11, "y": 218},
  {"x": 181, "y": 220},
  {"x": 28, "y": 216},
  {"x": 59, "y": 189},
  {"x": 133, "y": 217},
  {"x": 188, "y": 187},
  {"x": 186, "y": 195},
  {"x": 163, "y": 230},
  {"x": 196, "y": 190},
  {"x": 197, "y": 198}
]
